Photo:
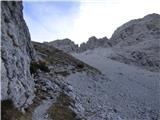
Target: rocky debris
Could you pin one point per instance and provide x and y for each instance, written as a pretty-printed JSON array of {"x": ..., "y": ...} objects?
[
  {"x": 125, "y": 91},
  {"x": 92, "y": 98},
  {"x": 138, "y": 43},
  {"x": 48, "y": 90},
  {"x": 66, "y": 45},
  {"x": 53, "y": 90},
  {"x": 16, "y": 54}
]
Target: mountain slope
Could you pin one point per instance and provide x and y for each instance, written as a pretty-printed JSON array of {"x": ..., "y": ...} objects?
[
  {"x": 132, "y": 92},
  {"x": 57, "y": 95},
  {"x": 138, "y": 43},
  {"x": 132, "y": 66}
]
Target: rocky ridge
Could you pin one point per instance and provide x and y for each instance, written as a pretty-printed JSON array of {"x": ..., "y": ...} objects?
[
  {"x": 69, "y": 46},
  {"x": 93, "y": 43},
  {"x": 137, "y": 42},
  {"x": 65, "y": 44}
]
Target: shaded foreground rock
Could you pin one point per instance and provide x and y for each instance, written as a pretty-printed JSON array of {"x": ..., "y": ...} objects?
[{"x": 17, "y": 52}]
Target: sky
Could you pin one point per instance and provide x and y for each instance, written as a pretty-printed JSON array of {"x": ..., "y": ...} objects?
[{"x": 78, "y": 20}]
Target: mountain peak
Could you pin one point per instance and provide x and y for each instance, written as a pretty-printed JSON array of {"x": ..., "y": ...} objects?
[{"x": 153, "y": 15}]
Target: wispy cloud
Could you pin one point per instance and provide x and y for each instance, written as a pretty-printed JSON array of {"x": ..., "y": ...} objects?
[
  {"x": 80, "y": 19},
  {"x": 50, "y": 20}
]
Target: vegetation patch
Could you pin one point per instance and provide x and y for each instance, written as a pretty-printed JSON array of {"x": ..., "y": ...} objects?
[
  {"x": 61, "y": 110},
  {"x": 63, "y": 73},
  {"x": 40, "y": 65},
  {"x": 80, "y": 66},
  {"x": 10, "y": 112},
  {"x": 58, "y": 58}
]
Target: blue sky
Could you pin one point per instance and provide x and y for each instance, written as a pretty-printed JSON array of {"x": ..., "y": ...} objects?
[{"x": 81, "y": 19}]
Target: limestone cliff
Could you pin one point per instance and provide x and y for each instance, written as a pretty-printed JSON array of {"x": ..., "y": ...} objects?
[{"x": 16, "y": 54}]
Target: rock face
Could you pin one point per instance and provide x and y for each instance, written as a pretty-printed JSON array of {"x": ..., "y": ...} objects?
[
  {"x": 69, "y": 46},
  {"x": 17, "y": 52},
  {"x": 138, "y": 42},
  {"x": 66, "y": 45},
  {"x": 93, "y": 43},
  {"x": 136, "y": 31}
]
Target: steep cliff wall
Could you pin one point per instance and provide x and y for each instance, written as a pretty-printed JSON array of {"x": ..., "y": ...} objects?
[{"x": 16, "y": 54}]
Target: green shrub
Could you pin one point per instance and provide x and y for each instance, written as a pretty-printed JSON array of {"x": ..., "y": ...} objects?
[
  {"x": 80, "y": 66},
  {"x": 10, "y": 112},
  {"x": 33, "y": 67},
  {"x": 63, "y": 73},
  {"x": 41, "y": 65}
]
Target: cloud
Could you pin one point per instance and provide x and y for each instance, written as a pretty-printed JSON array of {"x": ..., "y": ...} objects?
[
  {"x": 84, "y": 18},
  {"x": 102, "y": 17}
]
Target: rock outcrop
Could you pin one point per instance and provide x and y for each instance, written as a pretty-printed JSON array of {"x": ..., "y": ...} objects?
[
  {"x": 138, "y": 42},
  {"x": 93, "y": 43},
  {"x": 16, "y": 54},
  {"x": 66, "y": 45},
  {"x": 69, "y": 46}
]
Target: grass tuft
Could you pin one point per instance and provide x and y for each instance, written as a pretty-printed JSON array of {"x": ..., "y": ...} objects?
[
  {"x": 41, "y": 65},
  {"x": 61, "y": 109},
  {"x": 10, "y": 112}
]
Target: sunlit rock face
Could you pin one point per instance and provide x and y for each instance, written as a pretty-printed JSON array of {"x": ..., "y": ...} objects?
[
  {"x": 17, "y": 52},
  {"x": 93, "y": 43},
  {"x": 69, "y": 46},
  {"x": 138, "y": 30},
  {"x": 138, "y": 42},
  {"x": 66, "y": 45}
]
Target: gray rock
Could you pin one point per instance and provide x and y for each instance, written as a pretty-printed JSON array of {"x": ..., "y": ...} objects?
[
  {"x": 138, "y": 42},
  {"x": 93, "y": 43},
  {"x": 17, "y": 52},
  {"x": 69, "y": 46},
  {"x": 66, "y": 45}
]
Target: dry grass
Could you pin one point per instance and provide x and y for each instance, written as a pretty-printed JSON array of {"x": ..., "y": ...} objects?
[
  {"x": 10, "y": 112},
  {"x": 61, "y": 110},
  {"x": 58, "y": 58}
]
